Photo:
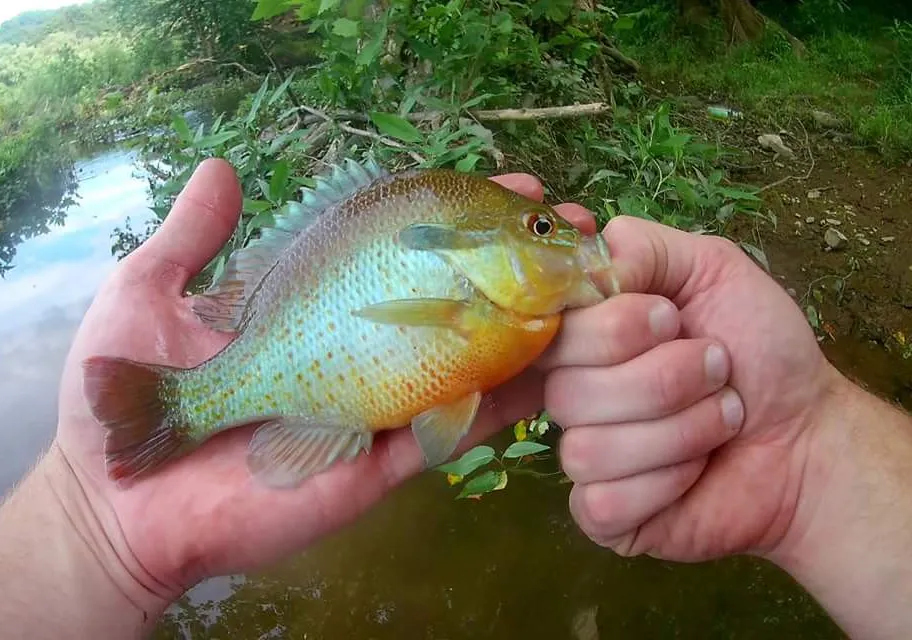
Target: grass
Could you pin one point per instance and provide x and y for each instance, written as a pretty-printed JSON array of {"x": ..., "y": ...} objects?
[{"x": 860, "y": 74}]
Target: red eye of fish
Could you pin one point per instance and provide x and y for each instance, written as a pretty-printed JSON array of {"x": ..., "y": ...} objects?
[{"x": 540, "y": 225}]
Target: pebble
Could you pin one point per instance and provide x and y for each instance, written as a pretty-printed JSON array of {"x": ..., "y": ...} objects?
[
  {"x": 834, "y": 239},
  {"x": 834, "y": 222},
  {"x": 886, "y": 239},
  {"x": 810, "y": 219}
]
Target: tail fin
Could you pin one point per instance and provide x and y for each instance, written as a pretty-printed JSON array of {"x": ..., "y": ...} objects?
[{"x": 125, "y": 397}]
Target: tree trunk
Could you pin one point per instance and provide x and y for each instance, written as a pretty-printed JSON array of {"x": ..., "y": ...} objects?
[{"x": 743, "y": 22}]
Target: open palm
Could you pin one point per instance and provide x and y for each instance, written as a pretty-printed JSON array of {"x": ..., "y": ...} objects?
[{"x": 204, "y": 515}]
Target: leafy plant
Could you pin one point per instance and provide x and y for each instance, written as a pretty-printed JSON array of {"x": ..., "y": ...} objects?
[{"x": 473, "y": 469}]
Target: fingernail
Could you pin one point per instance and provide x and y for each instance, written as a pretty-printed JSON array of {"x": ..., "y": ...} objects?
[
  {"x": 732, "y": 409},
  {"x": 663, "y": 320},
  {"x": 716, "y": 364}
]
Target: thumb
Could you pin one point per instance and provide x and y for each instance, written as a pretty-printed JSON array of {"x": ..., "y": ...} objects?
[
  {"x": 199, "y": 224},
  {"x": 650, "y": 257}
]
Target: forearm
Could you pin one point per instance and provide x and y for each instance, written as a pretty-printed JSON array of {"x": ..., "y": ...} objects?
[
  {"x": 58, "y": 576},
  {"x": 850, "y": 543}
]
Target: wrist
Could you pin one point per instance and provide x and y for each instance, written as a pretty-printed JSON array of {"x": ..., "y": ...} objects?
[
  {"x": 852, "y": 525},
  {"x": 53, "y": 542}
]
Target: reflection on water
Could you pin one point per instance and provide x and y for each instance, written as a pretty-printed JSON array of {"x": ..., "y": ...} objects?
[
  {"x": 421, "y": 565},
  {"x": 511, "y": 566},
  {"x": 57, "y": 269}
]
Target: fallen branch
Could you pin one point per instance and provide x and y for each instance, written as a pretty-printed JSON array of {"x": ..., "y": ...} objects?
[
  {"x": 539, "y": 113},
  {"x": 619, "y": 57},
  {"x": 364, "y": 133}
]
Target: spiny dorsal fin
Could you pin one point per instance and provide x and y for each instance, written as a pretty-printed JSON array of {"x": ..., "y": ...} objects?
[{"x": 224, "y": 304}]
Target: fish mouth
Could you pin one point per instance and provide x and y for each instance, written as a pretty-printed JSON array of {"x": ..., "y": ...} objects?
[{"x": 594, "y": 259}]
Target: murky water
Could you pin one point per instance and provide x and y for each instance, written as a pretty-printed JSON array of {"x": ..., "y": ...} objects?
[{"x": 421, "y": 565}]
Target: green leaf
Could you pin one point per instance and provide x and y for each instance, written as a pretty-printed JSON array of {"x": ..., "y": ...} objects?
[
  {"x": 266, "y": 9},
  {"x": 468, "y": 163},
  {"x": 812, "y": 316},
  {"x": 256, "y": 206},
  {"x": 280, "y": 90},
  {"x": 179, "y": 124},
  {"x": 396, "y": 127},
  {"x": 257, "y": 101},
  {"x": 524, "y": 448},
  {"x": 485, "y": 483},
  {"x": 469, "y": 462},
  {"x": 278, "y": 181},
  {"x": 210, "y": 142},
  {"x": 345, "y": 27},
  {"x": 260, "y": 220},
  {"x": 757, "y": 254},
  {"x": 372, "y": 49},
  {"x": 326, "y": 5}
]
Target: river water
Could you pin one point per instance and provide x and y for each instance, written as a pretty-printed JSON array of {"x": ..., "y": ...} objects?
[{"x": 421, "y": 565}]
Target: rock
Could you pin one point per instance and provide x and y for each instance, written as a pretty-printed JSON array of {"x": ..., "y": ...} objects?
[
  {"x": 824, "y": 119},
  {"x": 834, "y": 222},
  {"x": 773, "y": 142},
  {"x": 834, "y": 239},
  {"x": 792, "y": 292},
  {"x": 814, "y": 194},
  {"x": 865, "y": 242},
  {"x": 810, "y": 219},
  {"x": 887, "y": 239}
]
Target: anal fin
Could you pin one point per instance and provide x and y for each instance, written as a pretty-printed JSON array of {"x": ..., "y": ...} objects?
[
  {"x": 439, "y": 430},
  {"x": 283, "y": 453}
]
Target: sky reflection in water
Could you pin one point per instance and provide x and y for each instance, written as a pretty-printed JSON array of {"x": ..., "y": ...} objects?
[{"x": 43, "y": 299}]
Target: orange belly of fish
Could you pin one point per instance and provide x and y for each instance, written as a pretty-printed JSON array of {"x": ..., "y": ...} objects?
[{"x": 492, "y": 357}]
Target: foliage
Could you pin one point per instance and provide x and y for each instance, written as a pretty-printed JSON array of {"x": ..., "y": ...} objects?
[
  {"x": 205, "y": 28},
  {"x": 856, "y": 64},
  {"x": 472, "y": 470}
]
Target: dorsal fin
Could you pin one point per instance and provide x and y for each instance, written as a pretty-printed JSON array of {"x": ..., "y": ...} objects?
[{"x": 222, "y": 306}]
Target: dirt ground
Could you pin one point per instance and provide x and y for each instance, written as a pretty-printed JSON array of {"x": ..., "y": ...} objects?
[{"x": 861, "y": 290}]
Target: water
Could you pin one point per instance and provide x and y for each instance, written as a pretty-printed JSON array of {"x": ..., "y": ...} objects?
[{"x": 420, "y": 565}]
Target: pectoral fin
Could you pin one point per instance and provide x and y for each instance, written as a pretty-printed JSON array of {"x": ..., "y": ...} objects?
[
  {"x": 283, "y": 453},
  {"x": 439, "y": 430},
  {"x": 421, "y": 312},
  {"x": 441, "y": 237}
]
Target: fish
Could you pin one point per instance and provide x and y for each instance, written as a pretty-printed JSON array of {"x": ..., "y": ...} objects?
[{"x": 377, "y": 300}]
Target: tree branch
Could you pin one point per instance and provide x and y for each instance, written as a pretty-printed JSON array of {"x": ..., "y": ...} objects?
[
  {"x": 540, "y": 113},
  {"x": 364, "y": 133}
]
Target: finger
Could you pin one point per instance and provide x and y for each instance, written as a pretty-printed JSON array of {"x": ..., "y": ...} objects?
[
  {"x": 600, "y": 454},
  {"x": 607, "y": 510},
  {"x": 612, "y": 331},
  {"x": 653, "y": 258},
  {"x": 201, "y": 221},
  {"x": 577, "y": 215},
  {"x": 523, "y": 184},
  {"x": 663, "y": 381}
]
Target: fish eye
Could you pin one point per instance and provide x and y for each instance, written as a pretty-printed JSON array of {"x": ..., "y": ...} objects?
[{"x": 539, "y": 224}]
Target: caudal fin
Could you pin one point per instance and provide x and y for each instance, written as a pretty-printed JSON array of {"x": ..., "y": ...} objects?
[{"x": 125, "y": 397}]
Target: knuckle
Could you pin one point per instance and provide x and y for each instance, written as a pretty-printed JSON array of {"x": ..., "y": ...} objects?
[
  {"x": 575, "y": 457},
  {"x": 559, "y": 394},
  {"x": 666, "y": 389}
]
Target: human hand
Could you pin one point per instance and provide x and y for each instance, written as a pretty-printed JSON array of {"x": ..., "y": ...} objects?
[
  {"x": 203, "y": 515},
  {"x": 657, "y": 467}
]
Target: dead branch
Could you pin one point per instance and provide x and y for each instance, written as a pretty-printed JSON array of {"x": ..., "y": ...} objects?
[
  {"x": 364, "y": 133},
  {"x": 540, "y": 113},
  {"x": 619, "y": 57}
]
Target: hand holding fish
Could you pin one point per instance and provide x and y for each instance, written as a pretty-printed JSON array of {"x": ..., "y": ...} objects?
[
  {"x": 204, "y": 514},
  {"x": 762, "y": 447}
]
